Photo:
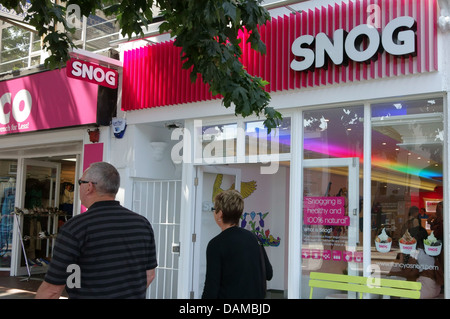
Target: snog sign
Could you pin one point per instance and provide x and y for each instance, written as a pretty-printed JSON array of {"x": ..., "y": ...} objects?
[{"x": 361, "y": 44}]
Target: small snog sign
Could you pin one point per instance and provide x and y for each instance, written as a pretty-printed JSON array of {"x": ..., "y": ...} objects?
[{"x": 93, "y": 73}]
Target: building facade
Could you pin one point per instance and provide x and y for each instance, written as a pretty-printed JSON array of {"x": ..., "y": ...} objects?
[{"x": 363, "y": 90}]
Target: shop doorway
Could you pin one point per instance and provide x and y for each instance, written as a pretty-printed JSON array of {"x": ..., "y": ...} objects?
[
  {"x": 45, "y": 200},
  {"x": 160, "y": 202},
  {"x": 266, "y": 207},
  {"x": 331, "y": 220},
  {"x": 37, "y": 220},
  {"x": 210, "y": 181}
]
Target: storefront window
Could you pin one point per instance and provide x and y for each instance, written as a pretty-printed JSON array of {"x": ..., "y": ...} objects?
[
  {"x": 258, "y": 141},
  {"x": 333, "y": 133},
  {"x": 218, "y": 143},
  {"x": 407, "y": 191},
  {"x": 8, "y": 171},
  {"x": 332, "y": 224}
]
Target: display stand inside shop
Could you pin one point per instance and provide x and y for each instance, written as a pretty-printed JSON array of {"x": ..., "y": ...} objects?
[{"x": 38, "y": 228}]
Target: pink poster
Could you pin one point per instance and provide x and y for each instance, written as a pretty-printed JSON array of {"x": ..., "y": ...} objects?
[
  {"x": 328, "y": 211},
  {"x": 92, "y": 153},
  {"x": 46, "y": 100}
]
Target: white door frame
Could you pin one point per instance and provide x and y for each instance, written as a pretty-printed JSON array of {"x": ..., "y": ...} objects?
[
  {"x": 352, "y": 163},
  {"x": 197, "y": 231},
  {"x": 16, "y": 269}
]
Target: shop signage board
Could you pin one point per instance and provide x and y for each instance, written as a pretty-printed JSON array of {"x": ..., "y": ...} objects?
[
  {"x": 44, "y": 101},
  {"x": 92, "y": 73},
  {"x": 397, "y": 37}
]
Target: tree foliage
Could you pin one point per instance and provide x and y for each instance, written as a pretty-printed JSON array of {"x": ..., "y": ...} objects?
[{"x": 206, "y": 30}]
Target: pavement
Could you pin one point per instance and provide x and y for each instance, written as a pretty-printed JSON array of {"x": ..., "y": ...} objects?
[{"x": 21, "y": 287}]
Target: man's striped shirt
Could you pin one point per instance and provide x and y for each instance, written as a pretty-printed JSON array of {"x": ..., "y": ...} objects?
[{"x": 113, "y": 247}]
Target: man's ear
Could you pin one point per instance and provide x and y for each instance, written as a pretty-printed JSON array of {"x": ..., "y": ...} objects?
[{"x": 90, "y": 188}]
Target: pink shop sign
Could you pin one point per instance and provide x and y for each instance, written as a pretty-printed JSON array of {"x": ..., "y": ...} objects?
[
  {"x": 328, "y": 211},
  {"x": 44, "y": 101}
]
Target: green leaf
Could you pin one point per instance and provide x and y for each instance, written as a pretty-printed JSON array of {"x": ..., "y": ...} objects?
[{"x": 206, "y": 30}]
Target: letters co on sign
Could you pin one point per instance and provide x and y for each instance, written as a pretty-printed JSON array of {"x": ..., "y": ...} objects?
[
  {"x": 92, "y": 73},
  {"x": 398, "y": 38}
]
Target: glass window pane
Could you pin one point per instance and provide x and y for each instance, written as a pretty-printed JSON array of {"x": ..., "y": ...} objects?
[
  {"x": 257, "y": 141},
  {"x": 400, "y": 108},
  {"x": 333, "y": 133},
  {"x": 8, "y": 171},
  {"x": 332, "y": 190},
  {"x": 407, "y": 182},
  {"x": 218, "y": 142}
]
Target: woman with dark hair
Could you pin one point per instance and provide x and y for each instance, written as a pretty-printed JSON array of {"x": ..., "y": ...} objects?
[{"x": 237, "y": 266}]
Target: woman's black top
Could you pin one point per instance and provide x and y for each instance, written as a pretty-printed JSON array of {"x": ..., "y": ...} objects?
[{"x": 234, "y": 266}]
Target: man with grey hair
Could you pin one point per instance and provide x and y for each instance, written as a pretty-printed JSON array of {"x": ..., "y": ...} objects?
[{"x": 111, "y": 248}]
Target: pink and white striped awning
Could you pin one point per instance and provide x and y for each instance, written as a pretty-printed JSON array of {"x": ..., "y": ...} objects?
[{"x": 153, "y": 76}]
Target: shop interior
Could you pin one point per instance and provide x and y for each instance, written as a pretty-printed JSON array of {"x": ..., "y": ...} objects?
[
  {"x": 47, "y": 203},
  {"x": 406, "y": 180}
]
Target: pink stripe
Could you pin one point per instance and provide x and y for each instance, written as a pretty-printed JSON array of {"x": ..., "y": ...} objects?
[
  {"x": 257, "y": 63},
  {"x": 329, "y": 18},
  {"x": 316, "y": 31},
  {"x": 323, "y": 28},
  {"x": 364, "y": 16},
  {"x": 277, "y": 59},
  {"x": 345, "y": 27},
  {"x": 351, "y": 64},
  {"x": 305, "y": 30},
  {"x": 387, "y": 57},
  {"x": 359, "y": 18},
  {"x": 271, "y": 55},
  {"x": 285, "y": 49},
  {"x": 290, "y": 56},
  {"x": 145, "y": 73},
  {"x": 337, "y": 13},
  {"x": 380, "y": 56},
  {"x": 265, "y": 62},
  {"x": 419, "y": 38},
  {"x": 125, "y": 81},
  {"x": 394, "y": 15},
  {"x": 310, "y": 21},
  {"x": 133, "y": 76},
  {"x": 139, "y": 78},
  {"x": 402, "y": 59}
]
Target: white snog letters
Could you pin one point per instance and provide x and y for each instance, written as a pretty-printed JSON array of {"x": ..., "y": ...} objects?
[
  {"x": 91, "y": 72},
  {"x": 398, "y": 38}
]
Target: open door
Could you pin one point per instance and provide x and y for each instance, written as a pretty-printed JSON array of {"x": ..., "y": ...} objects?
[
  {"x": 331, "y": 232},
  {"x": 36, "y": 226},
  {"x": 210, "y": 181}
]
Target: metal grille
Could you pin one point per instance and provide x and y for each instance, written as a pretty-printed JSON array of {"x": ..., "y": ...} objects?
[{"x": 159, "y": 202}]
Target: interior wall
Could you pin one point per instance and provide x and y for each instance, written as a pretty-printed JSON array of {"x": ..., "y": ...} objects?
[
  {"x": 152, "y": 160},
  {"x": 265, "y": 210},
  {"x": 271, "y": 197}
]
